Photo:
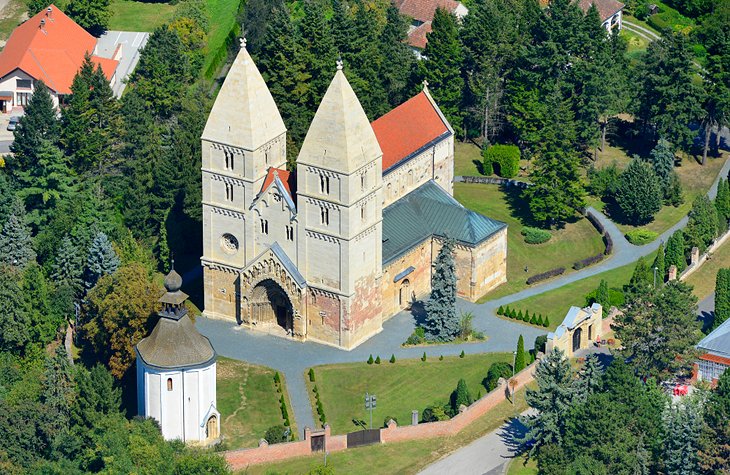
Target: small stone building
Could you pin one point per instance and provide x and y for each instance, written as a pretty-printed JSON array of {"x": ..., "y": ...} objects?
[
  {"x": 176, "y": 373},
  {"x": 580, "y": 327}
]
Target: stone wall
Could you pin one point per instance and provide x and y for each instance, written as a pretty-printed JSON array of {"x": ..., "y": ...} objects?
[
  {"x": 398, "y": 295},
  {"x": 240, "y": 459}
]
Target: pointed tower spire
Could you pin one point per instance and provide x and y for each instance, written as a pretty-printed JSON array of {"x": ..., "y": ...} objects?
[
  {"x": 244, "y": 114},
  {"x": 340, "y": 137}
]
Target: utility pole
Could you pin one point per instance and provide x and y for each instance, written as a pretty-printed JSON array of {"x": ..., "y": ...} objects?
[
  {"x": 370, "y": 404},
  {"x": 655, "y": 269}
]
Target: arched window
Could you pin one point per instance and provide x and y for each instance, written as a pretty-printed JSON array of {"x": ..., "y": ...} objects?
[
  {"x": 324, "y": 215},
  {"x": 324, "y": 184},
  {"x": 169, "y": 384}
]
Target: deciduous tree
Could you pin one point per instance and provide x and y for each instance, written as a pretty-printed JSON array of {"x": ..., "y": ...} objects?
[{"x": 91, "y": 15}]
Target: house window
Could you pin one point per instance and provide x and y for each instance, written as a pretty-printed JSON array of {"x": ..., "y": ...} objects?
[
  {"x": 290, "y": 233},
  {"x": 229, "y": 192},
  {"x": 324, "y": 184},
  {"x": 324, "y": 215},
  {"x": 169, "y": 384},
  {"x": 23, "y": 83},
  {"x": 264, "y": 226},
  {"x": 23, "y": 98}
]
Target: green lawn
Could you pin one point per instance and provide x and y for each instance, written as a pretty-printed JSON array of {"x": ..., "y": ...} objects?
[
  {"x": 703, "y": 280},
  {"x": 574, "y": 242},
  {"x": 555, "y": 303},
  {"x": 14, "y": 13},
  {"x": 222, "y": 16},
  {"x": 397, "y": 458},
  {"x": 248, "y": 402},
  {"x": 400, "y": 387},
  {"x": 521, "y": 466},
  {"x": 467, "y": 159},
  {"x": 129, "y": 15}
]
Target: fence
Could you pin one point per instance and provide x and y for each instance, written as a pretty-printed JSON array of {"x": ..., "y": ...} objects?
[
  {"x": 240, "y": 459},
  {"x": 491, "y": 180}
]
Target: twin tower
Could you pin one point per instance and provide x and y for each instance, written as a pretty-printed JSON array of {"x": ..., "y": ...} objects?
[{"x": 295, "y": 254}]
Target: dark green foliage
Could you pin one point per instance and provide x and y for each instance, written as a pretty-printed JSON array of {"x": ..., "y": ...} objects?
[
  {"x": 441, "y": 358},
  {"x": 683, "y": 425},
  {"x": 257, "y": 16},
  {"x": 460, "y": 396},
  {"x": 461, "y": 355},
  {"x": 434, "y": 413},
  {"x": 37, "y": 124},
  {"x": 520, "y": 362},
  {"x": 662, "y": 160},
  {"x": 701, "y": 228},
  {"x": 370, "y": 359},
  {"x": 387, "y": 419},
  {"x": 423, "y": 358},
  {"x": 602, "y": 296},
  {"x": 15, "y": 324},
  {"x": 722, "y": 205},
  {"x": 603, "y": 182},
  {"x": 589, "y": 378},
  {"x": 546, "y": 322},
  {"x": 311, "y": 374},
  {"x": 506, "y": 157},
  {"x": 277, "y": 378},
  {"x": 91, "y": 15},
  {"x": 722, "y": 297},
  {"x": 675, "y": 253},
  {"x": 441, "y": 67},
  {"x": 640, "y": 236},
  {"x": 658, "y": 332},
  {"x": 540, "y": 342},
  {"x": 442, "y": 322},
  {"x": 500, "y": 310},
  {"x": 101, "y": 260},
  {"x": 15, "y": 241},
  {"x": 520, "y": 315},
  {"x": 496, "y": 371},
  {"x": 641, "y": 283},
  {"x": 535, "y": 235},
  {"x": 377, "y": 360},
  {"x": 533, "y": 320},
  {"x": 392, "y": 358},
  {"x": 538, "y": 321},
  {"x": 487, "y": 164},
  {"x": 639, "y": 194},
  {"x": 276, "y": 435},
  {"x": 715, "y": 440},
  {"x": 659, "y": 265}
]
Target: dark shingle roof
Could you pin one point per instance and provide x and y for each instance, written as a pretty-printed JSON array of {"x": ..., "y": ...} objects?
[
  {"x": 175, "y": 344},
  {"x": 430, "y": 211}
]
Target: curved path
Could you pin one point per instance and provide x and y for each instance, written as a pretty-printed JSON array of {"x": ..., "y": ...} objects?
[{"x": 293, "y": 358}]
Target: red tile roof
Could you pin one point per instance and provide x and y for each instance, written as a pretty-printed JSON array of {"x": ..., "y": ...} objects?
[
  {"x": 407, "y": 128},
  {"x": 417, "y": 36},
  {"x": 287, "y": 178},
  {"x": 424, "y": 10},
  {"x": 715, "y": 359},
  {"x": 52, "y": 52},
  {"x": 606, "y": 8}
]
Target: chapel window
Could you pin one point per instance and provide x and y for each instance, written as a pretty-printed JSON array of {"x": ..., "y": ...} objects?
[
  {"x": 324, "y": 215},
  {"x": 264, "y": 226},
  {"x": 324, "y": 184},
  {"x": 169, "y": 384}
]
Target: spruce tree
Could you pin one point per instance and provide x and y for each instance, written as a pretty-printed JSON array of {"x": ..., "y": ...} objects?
[
  {"x": 16, "y": 248},
  {"x": 441, "y": 66},
  {"x": 589, "y": 378},
  {"x": 520, "y": 356},
  {"x": 683, "y": 422},
  {"x": 38, "y": 123},
  {"x": 675, "y": 253},
  {"x": 15, "y": 323},
  {"x": 68, "y": 268},
  {"x": 659, "y": 265},
  {"x": 58, "y": 390},
  {"x": 442, "y": 323},
  {"x": 722, "y": 297},
  {"x": 722, "y": 205},
  {"x": 602, "y": 295},
  {"x": 398, "y": 61},
  {"x": 662, "y": 160},
  {"x": 639, "y": 194},
  {"x": 641, "y": 281},
  {"x": 102, "y": 260},
  {"x": 460, "y": 396},
  {"x": 701, "y": 227},
  {"x": 318, "y": 51}
]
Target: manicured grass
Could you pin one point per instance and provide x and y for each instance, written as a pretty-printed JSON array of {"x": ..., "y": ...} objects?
[
  {"x": 14, "y": 13},
  {"x": 248, "y": 402},
  {"x": 397, "y": 458},
  {"x": 576, "y": 241},
  {"x": 222, "y": 17},
  {"x": 129, "y": 15},
  {"x": 521, "y": 466},
  {"x": 703, "y": 279},
  {"x": 400, "y": 387},
  {"x": 636, "y": 45},
  {"x": 466, "y": 157},
  {"x": 555, "y": 303}
]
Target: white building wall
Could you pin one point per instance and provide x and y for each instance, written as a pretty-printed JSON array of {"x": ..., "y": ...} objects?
[{"x": 10, "y": 83}]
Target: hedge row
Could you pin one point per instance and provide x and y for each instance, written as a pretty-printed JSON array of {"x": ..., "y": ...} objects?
[
  {"x": 318, "y": 403},
  {"x": 588, "y": 261},
  {"x": 282, "y": 401},
  {"x": 535, "y": 319},
  {"x": 595, "y": 222},
  {"x": 545, "y": 275},
  {"x": 609, "y": 243}
]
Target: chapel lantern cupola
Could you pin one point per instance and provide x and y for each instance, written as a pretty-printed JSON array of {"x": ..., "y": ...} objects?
[{"x": 173, "y": 301}]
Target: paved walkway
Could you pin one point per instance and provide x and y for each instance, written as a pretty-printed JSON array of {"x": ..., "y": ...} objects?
[{"x": 294, "y": 358}]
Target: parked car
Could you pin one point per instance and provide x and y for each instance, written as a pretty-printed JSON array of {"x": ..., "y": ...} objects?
[{"x": 13, "y": 123}]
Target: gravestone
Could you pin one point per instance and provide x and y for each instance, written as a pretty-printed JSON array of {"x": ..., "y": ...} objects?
[{"x": 414, "y": 417}]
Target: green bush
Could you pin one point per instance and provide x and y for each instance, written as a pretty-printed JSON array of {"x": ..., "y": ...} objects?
[
  {"x": 546, "y": 322},
  {"x": 461, "y": 355},
  {"x": 506, "y": 157},
  {"x": 639, "y": 237},
  {"x": 441, "y": 358},
  {"x": 370, "y": 360},
  {"x": 487, "y": 167},
  {"x": 377, "y": 360},
  {"x": 423, "y": 358},
  {"x": 500, "y": 310},
  {"x": 535, "y": 235},
  {"x": 417, "y": 337},
  {"x": 311, "y": 374},
  {"x": 496, "y": 371},
  {"x": 540, "y": 343},
  {"x": 275, "y": 434},
  {"x": 392, "y": 358}
]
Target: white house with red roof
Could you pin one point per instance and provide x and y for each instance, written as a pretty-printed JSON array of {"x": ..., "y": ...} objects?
[
  {"x": 421, "y": 13},
  {"x": 49, "y": 47},
  {"x": 329, "y": 252},
  {"x": 610, "y": 12}
]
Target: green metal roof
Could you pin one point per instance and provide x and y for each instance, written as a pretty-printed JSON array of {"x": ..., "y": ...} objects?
[{"x": 430, "y": 211}]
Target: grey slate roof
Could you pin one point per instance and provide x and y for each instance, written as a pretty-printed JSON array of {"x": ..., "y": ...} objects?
[
  {"x": 175, "y": 344},
  {"x": 288, "y": 264},
  {"x": 430, "y": 211},
  {"x": 718, "y": 341}
]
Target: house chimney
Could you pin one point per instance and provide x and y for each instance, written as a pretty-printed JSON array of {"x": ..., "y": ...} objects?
[
  {"x": 49, "y": 10},
  {"x": 43, "y": 22}
]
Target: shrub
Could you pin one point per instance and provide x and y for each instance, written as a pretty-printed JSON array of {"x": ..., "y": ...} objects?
[
  {"x": 277, "y": 378},
  {"x": 525, "y": 318},
  {"x": 596, "y": 224},
  {"x": 487, "y": 167},
  {"x": 533, "y": 320},
  {"x": 315, "y": 390},
  {"x": 496, "y": 371},
  {"x": 434, "y": 413},
  {"x": 506, "y": 157},
  {"x": 535, "y": 235},
  {"x": 588, "y": 261},
  {"x": 513, "y": 313},
  {"x": 392, "y": 358},
  {"x": 370, "y": 360},
  {"x": 377, "y": 360},
  {"x": 604, "y": 181},
  {"x": 639, "y": 194},
  {"x": 545, "y": 275},
  {"x": 538, "y": 321},
  {"x": 461, "y": 355},
  {"x": 609, "y": 244},
  {"x": 520, "y": 315},
  {"x": 311, "y": 374},
  {"x": 546, "y": 322},
  {"x": 276, "y": 434},
  {"x": 465, "y": 325},
  {"x": 460, "y": 396},
  {"x": 639, "y": 237},
  {"x": 540, "y": 343},
  {"x": 417, "y": 337},
  {"x": 423, "y": 358},
  {"x": 441, "y": 358},
  {"x": 616, "y": 298}
]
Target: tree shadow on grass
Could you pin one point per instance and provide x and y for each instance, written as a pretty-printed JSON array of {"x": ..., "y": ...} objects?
[
  {"x": 519, "y": 208},
  {"x": 628, "y": 137}
]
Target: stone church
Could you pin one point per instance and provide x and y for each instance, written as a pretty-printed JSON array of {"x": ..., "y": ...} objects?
[{"x": 328, "y": 253}]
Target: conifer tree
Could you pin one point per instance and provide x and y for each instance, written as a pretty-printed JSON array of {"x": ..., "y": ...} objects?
[
  {"x": 15, "y": 324},
  {"x": 398, "y": 61},
  {"x": 318, "y": 51},
  {"x": 674, "y": 254},
  {"x": 660, "y": 265},
  {"x": 715, "y": 442},
  {"x": 258, "y": 15},
  {"x": 722, "y": 205},
  {"x": 641, "y": 281},
  {"x": 442, "y": 323},
  {"x": 682, "y": 426},
  {"x": 101, "y": 260},
  {"x": 639, "y": 194},
  {"x": 589, "y": 378},
  {"x": 662, "y": 160},
  {"x": 16, "y": 249},
  {"x": 441, "y": 66},
  {"x": 38, "y": 123},
  {"x": 701, "y": 227},
  {"x": 68, "y": 267},
  {"x": 602, "y": 295},
  {"x": 460, "y": 396},
  {"x": 58, "y": 390},
  {"x": 520, "y": 356},
  {"x": 722, "y": 297}
]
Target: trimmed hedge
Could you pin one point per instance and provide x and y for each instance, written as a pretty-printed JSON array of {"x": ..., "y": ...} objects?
[
  {"x": 609, "y": 244},
  {"x": 595, "y": 222},
  {"x": 545, "y": 275},
  {"x": 639, "y": 237},
  {"x": 535, "y": 235},
  {"x": 589, "y": 261},
  {"x": 506, "y": 156}
]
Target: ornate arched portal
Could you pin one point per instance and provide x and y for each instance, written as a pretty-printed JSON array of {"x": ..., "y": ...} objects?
[{"x": 270, "y": 304}]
